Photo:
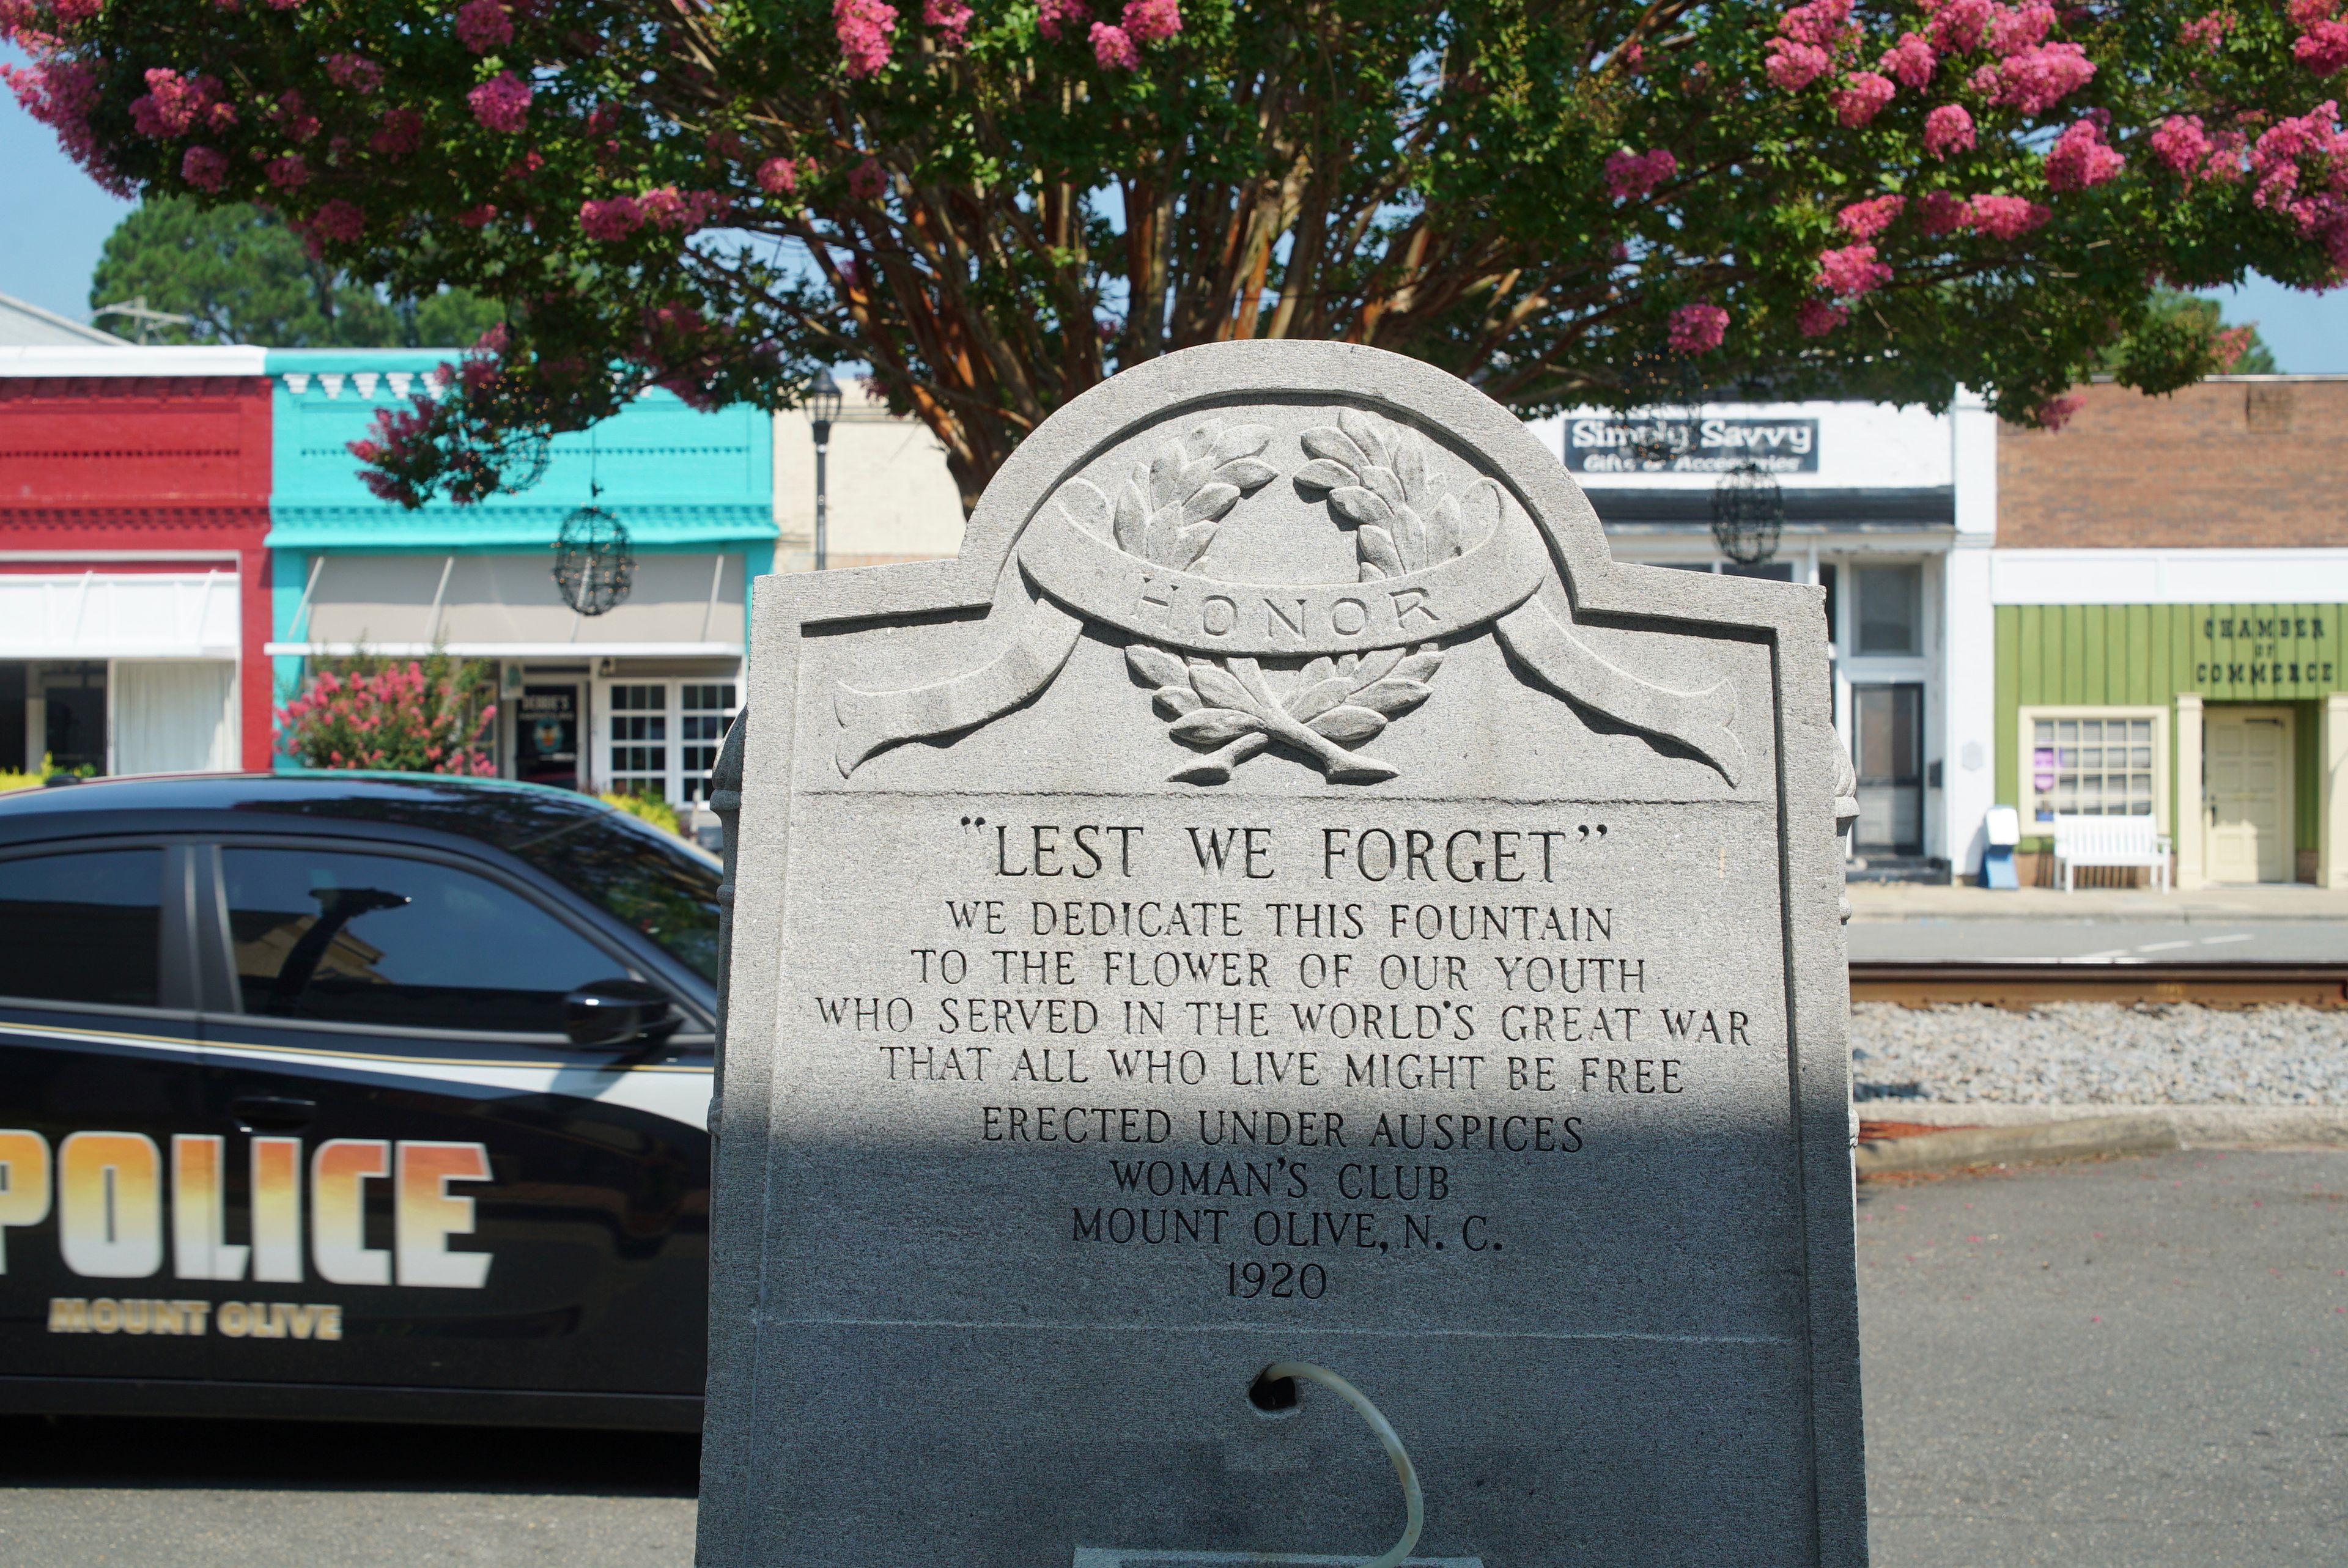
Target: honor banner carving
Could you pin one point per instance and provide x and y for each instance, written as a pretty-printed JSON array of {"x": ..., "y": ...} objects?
[{"x": 1430, "y": 569}]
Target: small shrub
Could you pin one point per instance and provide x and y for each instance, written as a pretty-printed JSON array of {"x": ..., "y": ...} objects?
[
  {"x": 428, "y": 716},
  {"x": 649, "y": 808}
]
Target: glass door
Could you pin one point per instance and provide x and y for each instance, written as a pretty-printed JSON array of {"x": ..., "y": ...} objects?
[{"x": 1889, "y": 741}]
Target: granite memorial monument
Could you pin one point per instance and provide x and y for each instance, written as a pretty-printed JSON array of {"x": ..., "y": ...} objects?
[{"x": 1282, "y": 933}]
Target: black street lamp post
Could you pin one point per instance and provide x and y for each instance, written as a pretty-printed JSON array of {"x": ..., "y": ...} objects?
[{"x": 823, "y": 408}]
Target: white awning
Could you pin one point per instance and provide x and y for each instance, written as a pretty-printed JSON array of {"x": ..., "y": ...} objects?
[
  {"x": 118, "y": 615},
  {"x": 507, "y": 606}
]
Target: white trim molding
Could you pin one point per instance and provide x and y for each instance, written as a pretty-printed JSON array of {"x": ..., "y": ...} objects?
[
  {"x": 134, "y": 359},
  {"x": 574, "y": 650},
  {"x": 2308, "y": 575}
]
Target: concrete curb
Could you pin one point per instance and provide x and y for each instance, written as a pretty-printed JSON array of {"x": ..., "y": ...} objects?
[
  {"x": 2009, "y": 1145},
  {"x": 2194, "y": 1126}
]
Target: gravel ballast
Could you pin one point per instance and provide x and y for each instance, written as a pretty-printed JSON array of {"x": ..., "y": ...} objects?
[{"x": 2105, "y": 1053}]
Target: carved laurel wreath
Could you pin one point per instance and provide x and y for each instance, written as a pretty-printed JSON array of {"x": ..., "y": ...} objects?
[{"x": 1373, "y": 473}]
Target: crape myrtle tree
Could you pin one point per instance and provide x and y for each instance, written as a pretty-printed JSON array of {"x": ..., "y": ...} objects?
[{"x": 996, "y": 203}]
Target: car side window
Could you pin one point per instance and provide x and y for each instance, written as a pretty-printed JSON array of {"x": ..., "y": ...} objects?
[
  {"x": 398, "y": 943},
  {"x": 83, "y": 927}
]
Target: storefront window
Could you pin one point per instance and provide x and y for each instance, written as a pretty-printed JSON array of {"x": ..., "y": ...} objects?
[
  {"x": 2091, "y": 768},
  {"x": 1890, "y": 609},
  {"x": 664, "y": 737}
]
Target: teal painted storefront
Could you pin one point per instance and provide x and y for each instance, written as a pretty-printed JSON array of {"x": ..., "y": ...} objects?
[{"x": 695, "y": 491}]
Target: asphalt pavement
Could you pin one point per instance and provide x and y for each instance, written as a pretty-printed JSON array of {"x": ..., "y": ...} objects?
[{"x": 2135, "y": 1363}]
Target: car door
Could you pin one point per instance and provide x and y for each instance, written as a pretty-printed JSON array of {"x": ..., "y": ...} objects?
[
  {"x": 110, "y": 1198},
  {"x": 450, "y": 1194}
]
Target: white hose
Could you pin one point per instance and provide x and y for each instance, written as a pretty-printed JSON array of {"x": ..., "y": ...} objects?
[{"x": 1414, "y": 1502}]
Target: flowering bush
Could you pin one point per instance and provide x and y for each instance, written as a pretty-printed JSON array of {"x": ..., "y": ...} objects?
[
  {"x": 997, "y": 203},
  {"x": 425, "y": 717}
]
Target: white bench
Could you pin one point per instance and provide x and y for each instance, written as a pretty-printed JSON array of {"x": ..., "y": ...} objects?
[{"x": 2122, "y": 841}]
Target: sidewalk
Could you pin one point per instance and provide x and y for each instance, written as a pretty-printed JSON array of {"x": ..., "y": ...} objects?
[{"x": 1888, "y": 902}]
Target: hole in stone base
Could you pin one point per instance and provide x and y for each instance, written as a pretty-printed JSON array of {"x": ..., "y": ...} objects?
[{"x": 1272, "y": 1396}]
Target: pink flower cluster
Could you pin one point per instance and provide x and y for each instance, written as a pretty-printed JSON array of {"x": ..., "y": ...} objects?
[
  {"x": 293, "y": 116},
  {"x": 501, "y": 103},
  {"x": 1957, "y": 26},
  {"x": 1910, "y": 61},
  {"x": 1807, "y": 37},
  {"x": 2057, "y": 412},
  {"x": 1053, "y": 16},
  {"x": 1113, "y": 48},
  {"x": 483, "y": 25},
  {"x": 339, "y": 219},
  {"x": 1816, "y": 318},
  {"x": 1698, "y": 328},
  {"x": 864, "y": 28},
  {"x": 356, "y": 72},
  {"x": 204, "y": 168},
  {"x": 173, "y": 103},
  {"x": 2036, "y": 79},
  {"x": 1118, "y": 47},
  {"x": 2006, "y": 217},
  {"x": 950, "y": 18},
  {"x": 615, "y": 218},
  {"x": 399, "y": 133},
  {"x": 398, "y": 720},
  {"x": 2080, "y": 159},
  {"x": 1947, "y": 129},
  {"x": 287, "y": 173},
  {"x": 2013, "y": 29},
  {"x": 2281, "y": 159},
  {"x": 2322, "y": 47},
  {"x": 778, "y": 176},
  {"x": 1631, "y": 175},
  {"x": 867, "y": 180},
  {"x": 1938, "y": 213},
  {"x": 1861, "y": 97},
  {"x": 1866, "y": 219},
  {"x": 1851, "y": 270},
  {"x": 2206, "y": 33},
  {"x": 60, "y": 94}
]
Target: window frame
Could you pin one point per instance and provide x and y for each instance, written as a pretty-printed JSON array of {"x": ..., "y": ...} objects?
[
  {"x": 2163, "y": 760},
  {"x": 673, "y": 714},
  {"x": 176, "y": 966},
  {"x": 216, "y": 952},
  {"x": 1919, "y": 625}
]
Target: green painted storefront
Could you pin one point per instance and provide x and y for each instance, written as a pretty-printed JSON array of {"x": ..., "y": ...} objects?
[{"x": 2145, "y": 655}]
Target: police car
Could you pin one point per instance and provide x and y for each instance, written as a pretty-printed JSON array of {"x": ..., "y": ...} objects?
[{"x": 373, "y": 1097}]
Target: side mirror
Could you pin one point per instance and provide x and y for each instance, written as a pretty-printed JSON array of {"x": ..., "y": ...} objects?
[{"x": 614, "y": 1014}]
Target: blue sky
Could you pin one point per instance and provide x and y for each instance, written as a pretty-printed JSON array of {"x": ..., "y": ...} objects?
[{"x": 58, "y": 220}]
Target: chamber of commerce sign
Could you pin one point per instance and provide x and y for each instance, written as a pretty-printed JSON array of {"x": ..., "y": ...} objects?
[
  {"x": 1619, "y": 444},
  {"x": 2266, "y": 651}
]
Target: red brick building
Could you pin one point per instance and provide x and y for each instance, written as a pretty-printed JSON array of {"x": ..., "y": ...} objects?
[{"x": 134, "y": 583}]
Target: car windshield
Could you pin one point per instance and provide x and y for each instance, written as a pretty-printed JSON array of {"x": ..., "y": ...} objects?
[{"x": 641, "y": 875}]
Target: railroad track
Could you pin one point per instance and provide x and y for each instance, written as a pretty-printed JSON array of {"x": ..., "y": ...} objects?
[{"x": 2009, "y": 983}]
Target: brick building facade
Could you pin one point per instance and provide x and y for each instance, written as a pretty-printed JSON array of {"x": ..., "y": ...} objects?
[
  {"x": 2171, "y": 595},
  {"x": 134, "y": 581},
  {"x": 2241, "y": 461}
]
